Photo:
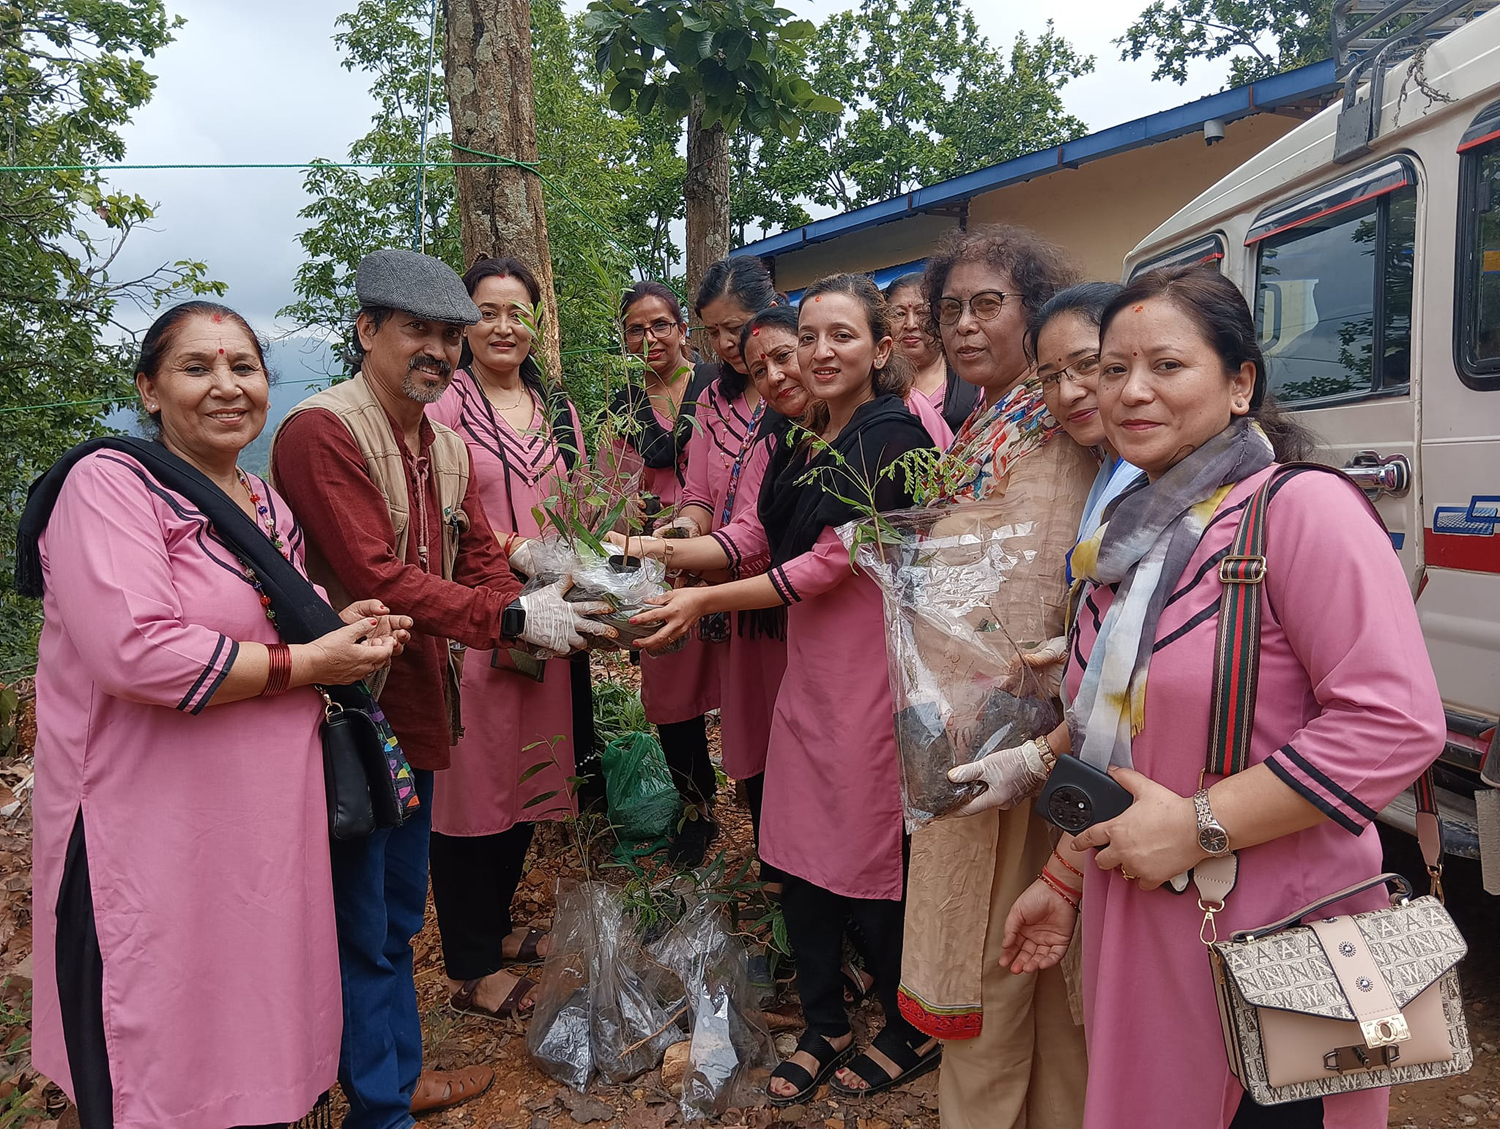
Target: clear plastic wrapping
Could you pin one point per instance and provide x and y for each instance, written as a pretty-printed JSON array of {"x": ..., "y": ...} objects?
[
  {"x": 951, "y": 578},
  {"x": 611, "y": 1004},
  {"x": 626, "y": 584}
]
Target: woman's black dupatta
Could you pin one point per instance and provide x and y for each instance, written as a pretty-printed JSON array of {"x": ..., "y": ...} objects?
[
  {"x": 800, "y": 495},
  {"x": 301, "y": 614},
  {"x": 659, "y": 446}
]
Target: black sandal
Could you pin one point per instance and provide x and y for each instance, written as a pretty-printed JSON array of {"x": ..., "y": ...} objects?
[
  {"x": 807, "y": 1085},
  {"x": 909, "y": 1061}
]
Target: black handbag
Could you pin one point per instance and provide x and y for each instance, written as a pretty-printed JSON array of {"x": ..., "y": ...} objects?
[{"x": 362, "y": 795}]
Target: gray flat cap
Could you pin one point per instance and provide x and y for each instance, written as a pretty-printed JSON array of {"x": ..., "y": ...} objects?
[{"x": 416, "y": 283}]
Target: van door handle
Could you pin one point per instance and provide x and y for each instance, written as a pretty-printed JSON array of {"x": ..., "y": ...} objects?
[{"x": 1378, "y": 474}]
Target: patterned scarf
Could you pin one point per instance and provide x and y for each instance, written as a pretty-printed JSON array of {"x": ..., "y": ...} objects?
[
  {"x": 1149, "y": 537},
  {"x": 989, "y": 443}
]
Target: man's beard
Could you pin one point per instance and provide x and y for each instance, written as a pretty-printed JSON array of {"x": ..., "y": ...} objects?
[{"x": 420, "y": 393}]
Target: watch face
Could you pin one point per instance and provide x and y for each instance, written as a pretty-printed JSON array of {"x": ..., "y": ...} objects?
[{"x": 1214, "y": 840}]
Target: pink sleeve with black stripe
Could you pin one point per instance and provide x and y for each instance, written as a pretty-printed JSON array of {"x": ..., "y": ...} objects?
[
  {"x": 1340, "y": 595},
  {"x": 821, "y": 569}
]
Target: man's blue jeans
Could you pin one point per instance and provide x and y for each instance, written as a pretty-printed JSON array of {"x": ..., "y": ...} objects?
[{"x": 379, "y": 896}]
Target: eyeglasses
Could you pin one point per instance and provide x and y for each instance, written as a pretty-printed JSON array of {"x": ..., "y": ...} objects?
[
  {"x": 1086, "y": 368},
  {"x": 985, "y": 306},
  {"x": 659, "y": 330}
]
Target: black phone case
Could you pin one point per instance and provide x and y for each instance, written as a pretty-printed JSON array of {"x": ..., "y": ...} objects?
[{"x": 1078, "y": 795}]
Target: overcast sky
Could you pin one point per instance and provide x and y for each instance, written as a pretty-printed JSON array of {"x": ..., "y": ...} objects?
[{"x": 261, "y": 82}]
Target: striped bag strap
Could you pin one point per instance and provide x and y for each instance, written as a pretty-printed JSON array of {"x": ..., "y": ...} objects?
[{"x": 1242, "y": 571}]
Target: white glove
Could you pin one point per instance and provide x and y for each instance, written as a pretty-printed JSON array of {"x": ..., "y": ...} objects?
[
  {"x": 558, "y": 627},
  {"x": 523, "y": 557},
  {"x": 1009, "y": 776},
  {"x": 1047, "y": 663}
]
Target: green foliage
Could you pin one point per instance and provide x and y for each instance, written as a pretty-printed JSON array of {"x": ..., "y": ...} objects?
[
  {"x": 72, "y": 72},
  {"x": 927, "y": 98},
  {"x": 738, "y": 61},
  {"x": 10, "y": 712},
  {"x": 1263, "y": 37},
  {"x": 615, "y": 172}
]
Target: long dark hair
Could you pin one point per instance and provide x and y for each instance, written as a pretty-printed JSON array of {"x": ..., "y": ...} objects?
[
  {"x": 894, "y": 378},
  {"x": 1087, "y": 300},
  {"x": 1038, "y": 267},
  {"x": 163, "y": 332},
  {"x": 1218, "y": 310},
  {"x": 744, "y": 279},
  {"x": 498, "y": 267},
  {"x": 782, "y": 317}
]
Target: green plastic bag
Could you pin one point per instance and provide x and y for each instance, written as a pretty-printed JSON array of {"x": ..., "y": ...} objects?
[{"x": 643, "y": 801}]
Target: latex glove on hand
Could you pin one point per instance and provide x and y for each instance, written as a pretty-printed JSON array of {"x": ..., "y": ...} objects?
[
  {"x": 1047, "y": 663},
  {"x": 677, "y": 527},
  {"x": 1009, "y": 776},
  {"x": 523, "y": 556},
  {"x": 557, "y": 627}
]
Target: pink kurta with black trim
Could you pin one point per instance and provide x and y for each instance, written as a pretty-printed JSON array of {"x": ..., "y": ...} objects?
[
  {"x": 685, "y": 684},
  {"x": 1348, "y": 715},
  {"x": 207, "y": 828},
  {"x": 512, "y": 723}
]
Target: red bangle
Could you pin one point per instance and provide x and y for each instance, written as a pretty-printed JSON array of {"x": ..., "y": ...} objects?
[
  {"x": 1072, "y": 897},
  {"x": 509, "y": 541},
  {"x": 1066, "y": 863},
  {"x": 279, "y": 672}
]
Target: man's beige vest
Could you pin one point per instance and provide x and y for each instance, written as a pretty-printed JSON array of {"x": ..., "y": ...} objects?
[{"x": 353, "y": 402}]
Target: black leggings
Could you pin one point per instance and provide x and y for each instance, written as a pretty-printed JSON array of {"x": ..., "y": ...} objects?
[
  {"x": 755, "y": 794},
  {"x": 474, "y": 878},
  {"x": 685, "y": 745},
  {"x": 1306, "y": 1114},
  {"x": 815, "y": 923}
]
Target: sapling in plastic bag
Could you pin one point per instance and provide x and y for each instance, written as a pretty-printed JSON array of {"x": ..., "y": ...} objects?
[
  {"x": 625, "y": 583},
  {"x": 959, "y": 588}
]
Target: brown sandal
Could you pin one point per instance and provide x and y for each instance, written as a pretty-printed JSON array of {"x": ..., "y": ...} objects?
[
  {"x": 526, "y": 955},
  {"x": 463, "y": 1001},
  {"x": 444, "y": 1089}
]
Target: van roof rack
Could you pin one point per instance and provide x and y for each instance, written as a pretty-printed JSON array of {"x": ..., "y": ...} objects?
[{"x": 1370, "y": 37}]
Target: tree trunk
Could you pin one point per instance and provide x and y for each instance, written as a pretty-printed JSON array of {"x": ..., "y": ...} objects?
[
  {"x": 487, "y": 63},
  {"x": 705, "y": 192}
]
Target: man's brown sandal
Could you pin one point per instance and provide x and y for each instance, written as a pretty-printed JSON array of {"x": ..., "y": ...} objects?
[
  {"x": 464, "y": 1001},
  {"x": 527, "y": 955},
  {"x": 444, "y": 1089}
]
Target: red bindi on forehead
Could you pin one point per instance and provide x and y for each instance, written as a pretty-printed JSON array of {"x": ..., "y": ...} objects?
[
  {"x": 218, "y": 319},
  {"x": 755, "y": 332},
  {"x": 1138, "y": 309}
]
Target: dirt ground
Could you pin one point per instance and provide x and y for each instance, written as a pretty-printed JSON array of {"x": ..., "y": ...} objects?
[{"x": 524, "y": 1098}]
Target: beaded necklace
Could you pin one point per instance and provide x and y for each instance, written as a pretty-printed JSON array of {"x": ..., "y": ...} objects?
[{"x": 268, "y": 523}]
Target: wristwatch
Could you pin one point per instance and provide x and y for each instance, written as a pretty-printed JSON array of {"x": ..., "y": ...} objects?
[
  {"x": 513, "y": 620},
  {"x": 1212, "y": 837}
]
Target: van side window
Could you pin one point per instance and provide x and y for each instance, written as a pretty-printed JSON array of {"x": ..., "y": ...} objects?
[
  {"x": 1208, "y": 252},
  {"x": 1477, "y": 310},
  {"x": 1334, "y": 288}
]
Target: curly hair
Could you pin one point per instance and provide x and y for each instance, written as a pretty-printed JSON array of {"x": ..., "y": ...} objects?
[{"x": 1038, "y": 267}]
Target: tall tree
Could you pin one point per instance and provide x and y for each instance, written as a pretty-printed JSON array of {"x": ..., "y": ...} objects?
[
  {"x": 927, "y": 98},
  {"x": 72, "y": 72},
  {"x": 717, "y": 65},
  {"x": 492, "y": 110},
  {"x": 1263, "y": 38}
]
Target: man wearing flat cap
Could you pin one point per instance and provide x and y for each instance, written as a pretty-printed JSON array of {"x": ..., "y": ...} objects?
[{"x": 390, "y": 509}]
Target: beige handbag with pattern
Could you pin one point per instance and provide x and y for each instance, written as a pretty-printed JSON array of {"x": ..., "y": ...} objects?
[{"x": 1345, "y": 1003}]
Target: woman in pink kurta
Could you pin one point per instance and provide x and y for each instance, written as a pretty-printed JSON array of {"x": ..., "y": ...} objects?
[
  {"x": 1346, "y": 716},
  {"x": 518, "y": 732},
  {"x": 187, "y": 970},
  {"x": 832, "y": 816}
]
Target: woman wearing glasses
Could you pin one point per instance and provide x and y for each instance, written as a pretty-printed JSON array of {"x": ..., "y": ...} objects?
[
  {"x": 658, "y": 418},
  {"x": 1013, "y": 1054},
  {"x": 916, "y": 340}
]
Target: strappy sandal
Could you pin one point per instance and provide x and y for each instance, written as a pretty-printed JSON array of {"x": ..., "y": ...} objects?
[
  {"x": 527, "y": 956},
  {"x": 909, "y": 1062},
  {"x": 828, "y": 1061},
  {"x": 464, "y": 1002},
  {"x": 855, "y": 991}
]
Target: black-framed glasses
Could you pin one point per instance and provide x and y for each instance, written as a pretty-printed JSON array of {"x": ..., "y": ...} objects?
[
  {"x": 659, "y": 330},
  {"x": 1085, "y": 368},
  {"x": 985, "y": 306}
]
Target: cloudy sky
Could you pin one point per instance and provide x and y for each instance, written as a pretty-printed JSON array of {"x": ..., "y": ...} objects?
[{"x": 261, "y": 82}]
